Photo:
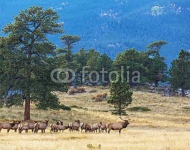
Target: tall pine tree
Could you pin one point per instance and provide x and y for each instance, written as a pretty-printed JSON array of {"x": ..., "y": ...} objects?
[{"x": 27, "y": 40}]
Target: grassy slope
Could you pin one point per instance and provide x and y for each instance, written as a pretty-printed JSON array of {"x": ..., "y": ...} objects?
[{"x": 166, "y": 126}]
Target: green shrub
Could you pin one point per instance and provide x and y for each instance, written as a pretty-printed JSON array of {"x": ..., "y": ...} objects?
[
  {"x": 186, "y": 108},
  {"x": 90, "y": 146},
  {"x": 78, "y": 107},
  {"x": 63, "y": 107},
  {"x": 139, "y": 108}
]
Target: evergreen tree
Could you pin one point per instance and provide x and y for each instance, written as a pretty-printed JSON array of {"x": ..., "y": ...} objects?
[
  {"x": 132, "y": 61},
  {"x": 156, "y": 67},
  {"x": 104, "y": 66},
  {"x": 180, "y": 72},
  {"x": 80, "y": 59},
  {"x": 120, "y": 95},
  {"x": 66, "y": 56},
  {"x": 92, "y": 64},
  {"x": 28, "y": 49}
]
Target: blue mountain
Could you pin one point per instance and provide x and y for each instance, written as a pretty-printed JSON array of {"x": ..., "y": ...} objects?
[{"x": 112, "y": 26}]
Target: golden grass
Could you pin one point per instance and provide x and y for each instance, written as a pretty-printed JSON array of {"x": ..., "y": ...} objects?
[
  {"x": 165, "y": 127},
  {"x": 129, "y": 139}
]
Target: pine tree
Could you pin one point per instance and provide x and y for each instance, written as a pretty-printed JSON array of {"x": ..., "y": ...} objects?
[
  {"x": 180, "y": 72},
  {"x": 120, "y": 95},
  {"x": 154, "y": 62},
  {"x": 26, "y": 51}
]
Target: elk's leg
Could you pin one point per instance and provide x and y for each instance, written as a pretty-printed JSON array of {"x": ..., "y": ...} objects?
[
  {"x": 19, "y": 130},
  {"x": 119, "y": 131},
  {"x": 109, "y": 130},
  {"x": 8, "y": 130}
]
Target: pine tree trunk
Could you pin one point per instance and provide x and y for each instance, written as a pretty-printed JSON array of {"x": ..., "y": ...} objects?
[
  {"x": 27, "y": 110},
  {"x": 156, "y": 83},
  {"x": 27, "y": 98},
  {"x": 182, "y": 92}
]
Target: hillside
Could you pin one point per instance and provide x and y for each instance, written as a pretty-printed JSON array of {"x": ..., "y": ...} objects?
[
  {"x": 165, "y": 112},
  {"x": 111, "y": 26},
  {"x": 165, "y": 126}
]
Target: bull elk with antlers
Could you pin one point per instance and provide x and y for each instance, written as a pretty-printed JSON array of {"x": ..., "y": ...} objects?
[{"x": 117, "y": 125}]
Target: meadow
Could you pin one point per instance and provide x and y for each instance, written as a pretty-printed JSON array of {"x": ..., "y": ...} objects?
[{"x": 156, "y": 123}]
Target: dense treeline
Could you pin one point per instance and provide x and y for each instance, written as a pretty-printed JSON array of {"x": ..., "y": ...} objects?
[{"x": 28, "y": 58}]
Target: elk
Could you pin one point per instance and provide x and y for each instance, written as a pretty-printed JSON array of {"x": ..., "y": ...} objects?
[
  {"x": 95, "y": 127},
  {"x": 26, "y": 125},
  {"x": 62, "y": 127},
  {"x": 70, "y": 126},
  {"x": 102, "y": 127},
  {"x": 117, "y": 125},
  {"x": 75, "y": 125},
  {"x": 9, "y": 125},
  {"x": 23, "y": 126},
  {"x": 54, "y": 126},
  {"x": 31, "y": 124},
  {"x": 88, "y": 128},
  {"x": 15, "y": 127},
  {"x": 82, "y": 126},
  {"x": 41, "y": 126}
]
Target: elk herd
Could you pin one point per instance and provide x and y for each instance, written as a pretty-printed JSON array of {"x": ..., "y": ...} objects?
[{"x": 77, "y": 125}]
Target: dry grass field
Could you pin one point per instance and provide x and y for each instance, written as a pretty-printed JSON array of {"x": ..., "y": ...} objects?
[{"x": 165, "y": 127}]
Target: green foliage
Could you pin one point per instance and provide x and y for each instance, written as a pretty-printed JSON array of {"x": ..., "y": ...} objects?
[
  {"x": 65, "y": 58},
  {"x": 78, "y": 107},
  {"x": 156, "y": 67},
  {"x": 155, "y": 46},
  {"x": 139, "y": 108},
  {"x": 69, "y": 40},
  {"x": 180, "y": 71},
  {"x": 93, "y": 57},
  {"x": 120, "y": 95},
  {"x": 104, "y": 63},
  {"x": 63, "y": 107},
  {"x": 90, "y": 146},
  {"x": 27, "y": 58},
  {"x": 131, "y": 60},
  {"x": 15, "y": 100}
]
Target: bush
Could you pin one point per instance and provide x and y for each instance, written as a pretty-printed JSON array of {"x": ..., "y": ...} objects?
[
  {"x": 186, "y": 108},
  {"x": 90, "y": 146},
  {"x": 63, "y": 107},
  {"x": 78, "y": 107},
  {"x": 76, "y": 90},
  {"x": 139, "y": 108},
  {"x": 100, "y": 97}
]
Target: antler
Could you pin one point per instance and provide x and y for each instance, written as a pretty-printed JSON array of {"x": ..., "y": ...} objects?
[
  {"x": 121, "y": 118},
  {"x": 124, "y": 119}
]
